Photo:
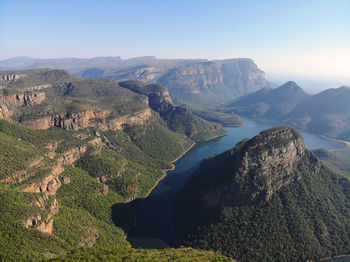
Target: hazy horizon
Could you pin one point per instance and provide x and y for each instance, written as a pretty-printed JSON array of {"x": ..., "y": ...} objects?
[
  {"x": 301, "y": 38},
  {"x": 310, "y": 83}
]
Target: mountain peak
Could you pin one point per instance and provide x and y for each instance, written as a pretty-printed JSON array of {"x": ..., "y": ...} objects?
[
  {"x": 290, "y": 85},
  {"x": 260, "y": 166},
  {"x": 344, "y": 88}
]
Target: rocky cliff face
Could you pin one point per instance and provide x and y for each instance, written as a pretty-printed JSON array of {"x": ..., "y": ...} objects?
[
  {"x": 158, "y": 95},
  {"x": 4, "y": 112},
  {"x": 24, "y": 99},
  {"x": 138, "y": 118},
  {"x": 9, "y": 102},
  {"x": 70, "y": 121},
  {"x": 12, "y": 77},
  {"x": 215, "y": 81},
  {"x": 178, "y": 118},
  {"x": 261, "y": 166},
  {"x": 83, "y": 119},
  {"x": 47, "y": 187}
]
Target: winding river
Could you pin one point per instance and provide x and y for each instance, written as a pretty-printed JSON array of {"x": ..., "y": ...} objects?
[{"x": 154, "y": 215}]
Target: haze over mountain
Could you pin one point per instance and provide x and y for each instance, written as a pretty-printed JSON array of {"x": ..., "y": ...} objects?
[
  {"x": 326, "y": 113},
  {"x": 214, "y": 81},
  {"x": 267, "y": 199},
  {"x": 269, "y": 103},
  {"x": 188, "y": 80}
]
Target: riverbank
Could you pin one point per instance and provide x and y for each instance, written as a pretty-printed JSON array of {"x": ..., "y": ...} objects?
[
  {"x": 211, "y": 138},
  {"x": 334, "y": 258},
  {"x": 178, "y": 158},
  {"x": 169, "y": 169},
  {"x": 346, "y": 143},
  {"x": 188, "y": 149}
]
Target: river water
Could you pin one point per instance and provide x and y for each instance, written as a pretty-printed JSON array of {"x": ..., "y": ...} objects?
[{"x": 154, "y": 215}]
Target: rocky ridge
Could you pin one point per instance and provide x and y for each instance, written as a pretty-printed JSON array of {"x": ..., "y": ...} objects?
[
  {"x": 213, "y": 81},
  {"x": 160, "y": 101},
  {"x": 47, "y": 187},
  {"x": 12, "y": 77},
  {"x": 81, "y": 120},
  {"x": 260, "y": 167}
]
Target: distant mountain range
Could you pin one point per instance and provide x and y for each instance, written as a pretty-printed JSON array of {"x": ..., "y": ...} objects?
[
  {"x": 236, "y": 85},
  {"x": 195, "y": 81},
  {"x": 326, "y": 113}
]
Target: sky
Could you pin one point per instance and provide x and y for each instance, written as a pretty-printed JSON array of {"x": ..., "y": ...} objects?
[{"x": 306, "y": 38}]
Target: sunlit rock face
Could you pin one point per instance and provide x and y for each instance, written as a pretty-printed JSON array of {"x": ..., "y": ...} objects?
[
  {"x": 260, "y": 167},
  {"x": 214, "y": 81}
]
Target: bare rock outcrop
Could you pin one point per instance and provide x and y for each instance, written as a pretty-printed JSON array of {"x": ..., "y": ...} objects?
[
  {"x": 44, "y": 226},
  {"x": 47, "y": 203},
  {"x": 70, "y": 121},
  {"x": 72, "y": 155},
  {"x": 212, "y": 82},
  {"x": 24, "y": 99},
  {"x": 49, "y": 184},
  {"x": 138, "y": 118},
  {"x": 4, "y": 112},
  {"x": 81, "y": 120},
  {"x": 12, "y": 77}
]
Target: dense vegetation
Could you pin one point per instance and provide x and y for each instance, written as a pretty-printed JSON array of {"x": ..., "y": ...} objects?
[
  {"x": 117, "y": 253},
  {"x": 84, "y": 213},
  {"x": 18, "y": 243},
  {"x": 177, "y": 118},
  {"x": 307, "y": 219},
  {"x": 58, "y": 185},
  {"x": 220, "y": 117},
  {"x": 67, "y": 94},
  {"x": 84, "y": 217},
  {"x": 158, "y": 141}
]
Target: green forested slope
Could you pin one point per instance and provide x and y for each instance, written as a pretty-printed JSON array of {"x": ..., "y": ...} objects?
[
  {"x": 116, "y": 253},
  {"x": 95, "y": 144},
  {"x": 307, "y": 218},
  {"x": 177, "y": 118}
]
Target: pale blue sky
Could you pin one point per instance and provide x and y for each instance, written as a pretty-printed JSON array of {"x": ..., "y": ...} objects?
[{"x": 300, "y": 37}]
